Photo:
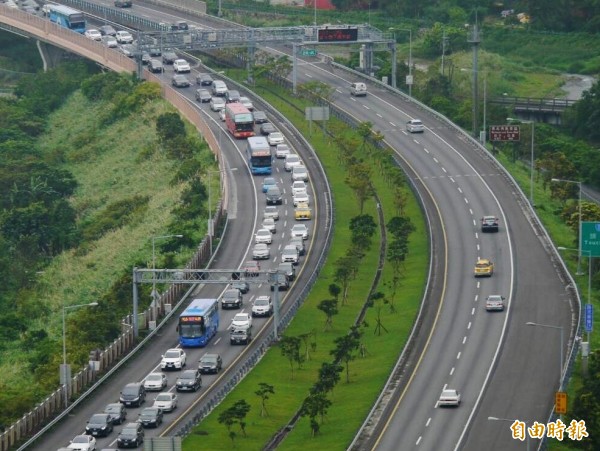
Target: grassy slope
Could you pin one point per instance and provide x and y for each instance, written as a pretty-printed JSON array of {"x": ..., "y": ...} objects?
[
  {"x": 109, "y": 164},
  {"x": 367, "y": 374}
]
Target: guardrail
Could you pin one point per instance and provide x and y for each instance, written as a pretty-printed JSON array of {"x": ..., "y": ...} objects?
[
  {"x": 535, "y": 104},
  {"x": 48, "y": 411}
]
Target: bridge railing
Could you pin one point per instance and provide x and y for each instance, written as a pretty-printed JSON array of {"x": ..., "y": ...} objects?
[
  {"x": 51, "y": 409},
  {"x": 534, "y": 104}
]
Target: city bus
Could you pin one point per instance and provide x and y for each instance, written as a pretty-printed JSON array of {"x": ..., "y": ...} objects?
[
  {"x": 239, "y": 120},
  {"x": 67, "y": 18},
  {"x": 260, "y": 158},
  {"x": 199, "y": 322}
]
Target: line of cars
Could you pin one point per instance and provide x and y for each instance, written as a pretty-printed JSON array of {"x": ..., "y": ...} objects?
[{"x": 134, "y": 395}]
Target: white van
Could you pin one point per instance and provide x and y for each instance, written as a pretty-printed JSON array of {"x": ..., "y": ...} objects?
[{"x": 358, "y": 89}]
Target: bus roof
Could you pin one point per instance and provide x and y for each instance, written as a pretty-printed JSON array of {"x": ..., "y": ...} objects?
[
  {"x": 258, "y": 143},
  {"x": 237, "y": 108},
  {"x": 198, "y": 307},
  {"x": 66, "y": 10}
]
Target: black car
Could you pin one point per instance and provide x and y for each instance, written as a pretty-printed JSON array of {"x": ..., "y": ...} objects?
[
  {"x": 169, "y": 57},
  {"x": 154, "y": 51},
  {"x": 131, "y": 436},
  {"x": 210, "y": 363},
  {"x": 100, "y": 424},
  {"x": 117, "y": 411},
  {"x": 204, "y": 79},
  {"x": 155, "y": 66},
  {"x": 260, "y": 117},
  {"x": 180, "y": 81},
  {"x": 203, "y": 95},
  {"x": 267, "y": 128},
  {"x": 107, "y": 30},
  {"x": 232, "y": 96},
  {"x": 241, "y": 285},
  {"x": 123, "y": 3},
  {"x": 133, "y": 394},
  {"x": 189, "y": 380},
  {"x": 151, "y": 417}
]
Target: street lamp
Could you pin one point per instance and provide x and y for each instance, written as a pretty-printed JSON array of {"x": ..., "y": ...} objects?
[
  {"x": 485, "y": 72},
  {"x": 154, "y": 238},
  {"x": 513, "y": 421},
  {"x": 64, "y": 373},
  {"x": 561, "y": 347},
  {"x": 410, "y": 77},
  {"x": 579, "y": 273},
  {"x": 210, "y": 221},
  {"x": 532, "y": 123}
]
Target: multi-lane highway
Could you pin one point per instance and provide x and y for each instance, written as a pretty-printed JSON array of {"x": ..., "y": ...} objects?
[{"x": 501, "y": 367}]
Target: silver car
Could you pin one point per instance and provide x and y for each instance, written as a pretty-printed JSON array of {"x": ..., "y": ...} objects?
[
  {"x": 271, "y": 211},
  {"x": 290, "y": 254},
  {"x": 261, "y": 252},
  {"x": 269, "y": 224},
  {"x": 217, "y": 103}
]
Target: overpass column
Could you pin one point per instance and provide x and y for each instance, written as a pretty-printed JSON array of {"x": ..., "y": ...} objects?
[
  {"x": 250, "y": 63},
  {"x": 51, "y": 56}
]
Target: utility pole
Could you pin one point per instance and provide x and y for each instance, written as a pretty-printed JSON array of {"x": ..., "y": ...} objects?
[
  {"x": 444, "y": 42},
  {"x": 474, "y": 39}
]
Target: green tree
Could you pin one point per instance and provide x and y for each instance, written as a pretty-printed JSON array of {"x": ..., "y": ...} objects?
[
  {"x": 290, "y": 349},
  {"x": 169, "y": 126},
  {"x": 329, "y": 307},
  {"x": 315, "y": 405},
  {"x": 344, "y": 273},
  {"x": 264, "y": 392},
  {"x": 359, "y": 180},
  {"x": 363, "y": 228},
  {"x": 329, "y": 376},
  {"x": 345, "y": 349}
]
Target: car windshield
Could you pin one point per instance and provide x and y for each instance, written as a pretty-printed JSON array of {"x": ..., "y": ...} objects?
[
  {"x": 292, "y": 158},
  {"x": 172, "y": 354},
  {"x": 130, "y": 391},
  {"x": 98, "y": 419},
  {"x": 163, "y": 397},
  {"x": 154, "y": 377},
  {"x": 149, "y": 413},
  {"x": 81, "y": 439},
  {"x": 209, "y": 359},
  {"x": 113, "y": 408},
  {"x": 261, "y": 302},
  {"x": 129, "y": 430},
  {"x": 482, "y": 265},
  {"x": 187, "y": 375}
]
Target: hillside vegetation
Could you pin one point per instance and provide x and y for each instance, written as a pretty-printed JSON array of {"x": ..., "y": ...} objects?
[{"x": 90, "y": 175}]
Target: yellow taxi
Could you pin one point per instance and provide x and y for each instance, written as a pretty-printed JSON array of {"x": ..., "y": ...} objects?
[
  {"x": 484, "y": 268},
  {"x": 302, "y": 212}
]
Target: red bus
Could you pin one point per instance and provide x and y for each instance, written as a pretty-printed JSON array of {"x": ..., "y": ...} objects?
[{"x": 239, "y": 120}]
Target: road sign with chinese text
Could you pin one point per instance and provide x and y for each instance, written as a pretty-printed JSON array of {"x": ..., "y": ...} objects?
[
  {"x": 560, "y": 402},
  {"x": 589, "y": 317},
  {"x": 308, "y": 52},
  {"x": 590, "y": 239},
  {"x": 505, "y": 133}
]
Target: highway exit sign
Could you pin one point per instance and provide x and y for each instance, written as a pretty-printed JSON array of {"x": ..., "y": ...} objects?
[
  {"x": 308, "y": 52},
  {"x": 590, "y": 239}
]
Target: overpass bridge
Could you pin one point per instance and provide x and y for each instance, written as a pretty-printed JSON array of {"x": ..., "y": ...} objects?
[{"x": 548, "y": 110}]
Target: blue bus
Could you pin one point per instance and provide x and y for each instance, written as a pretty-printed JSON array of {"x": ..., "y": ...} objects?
[
  {"x": 199, "y": 322},
  {"x": 260, "y": 158},
  {"x": 68, "y": 18}
]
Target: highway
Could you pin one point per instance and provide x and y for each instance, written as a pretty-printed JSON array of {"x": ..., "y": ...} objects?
[{"x": 502, "y": 367}]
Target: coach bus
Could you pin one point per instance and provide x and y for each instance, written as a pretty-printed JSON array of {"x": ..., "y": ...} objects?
[
  {"x": 199, "y": 322},
  {"x": 259, "y": 154},
  {"x": 67, "y": 18},
  {"x": 239, "y": 120}
]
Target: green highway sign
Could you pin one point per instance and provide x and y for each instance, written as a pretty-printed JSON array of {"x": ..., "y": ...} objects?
[
  {"x": 590, "y": 238},
  {"x": 308, "y": 52}
]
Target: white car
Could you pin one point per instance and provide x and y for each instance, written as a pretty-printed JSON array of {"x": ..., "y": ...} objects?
[
  {"x": 301, "y": 198},
  {"x": 262, "y": 306},
  {"x": 449, "y": 397},
  {"x": 173, "y": 359},
  {"x": 241, "y": 321},
  {"x": 263, "y": 236},
  {"x": 83, "y": 443},
  {"x": 275, "y": 138},
  {"x": 300, "y": 230},
  {"x": 271, "y": 211},
  {"x": 290, "y": 254},
  {"x": 124, "y": 37},
  {"x": 217, "y": 103},
  {"x": 269, "y": 224},
  {"x": 110, "y": 41},
  {"x": 247, "y": 103},
  {"x": 298, "y": 186},
  {"x": 155, "y": 382},
  {"x": 261, "y": 252},
  {"x": 93, "y": 34},
  {"x": 415, "y": 126},
  {"x": 282, "y": 150},
  {"x": 291, "y": 160},
  {"x": 494, "y": 302},
  {"x": 300, "y": 173},
  {"x": 166, "y": 401},
  {"x": 181, "y": 65}
]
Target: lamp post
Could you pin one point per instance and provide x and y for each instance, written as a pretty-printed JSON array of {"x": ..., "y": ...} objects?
[
  {"x": 410, "y": 77},
  {"x": 531, "y": 169},
  {"x": 529, "y": 323},
  {"x": 513, "y": 421},
  {"x": 154, "y": 238},
  {"x": 64, "y": 373},
  {"x": 579, "y": 273},
  {"x": 484, "y": 101}
]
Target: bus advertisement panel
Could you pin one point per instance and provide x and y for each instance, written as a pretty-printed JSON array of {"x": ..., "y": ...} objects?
[
  {"x": 68, "y": 18},
  {"x": 260, "y": 158},
  {"x": 198, "y": 323},
  {"x": 239, "y": 120}
]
